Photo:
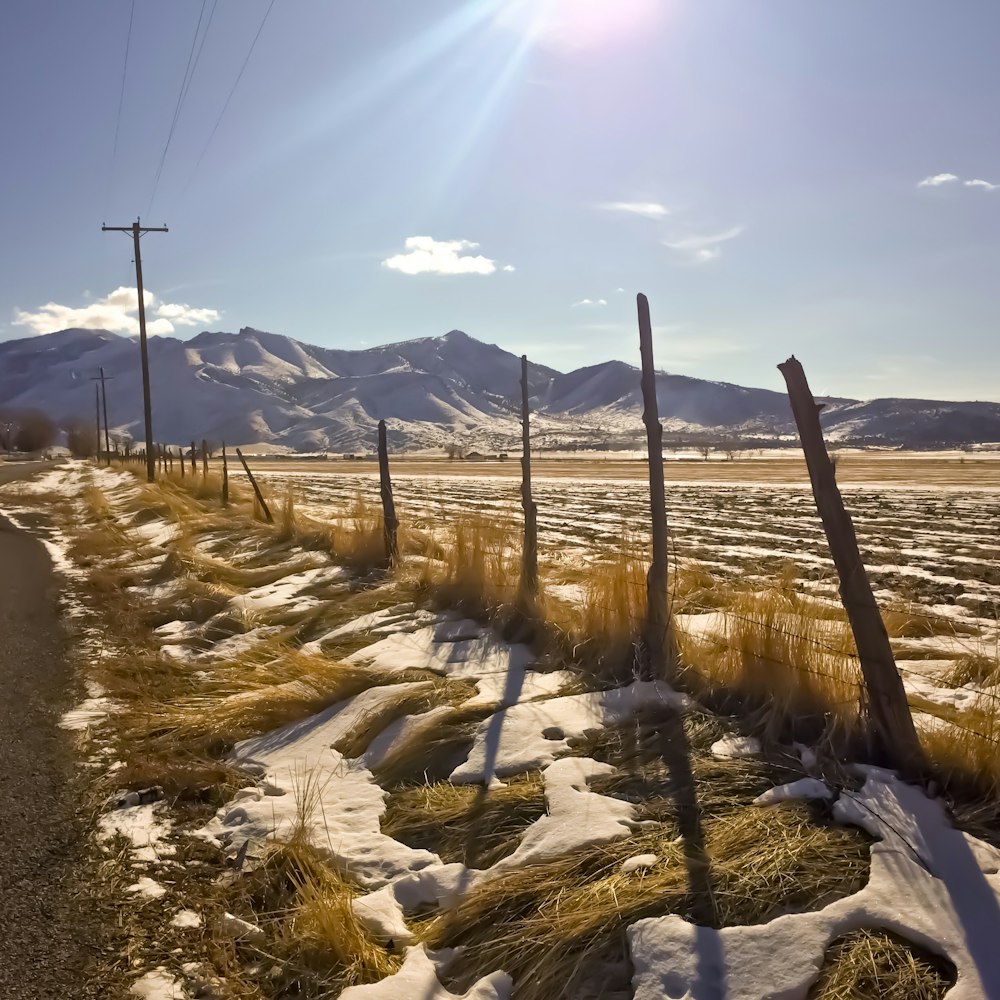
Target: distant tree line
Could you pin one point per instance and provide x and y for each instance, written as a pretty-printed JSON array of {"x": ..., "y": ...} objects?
[{"x": 30, "y": 430}]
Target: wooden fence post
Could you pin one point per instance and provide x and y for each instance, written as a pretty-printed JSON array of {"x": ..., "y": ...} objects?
[
  {"x": 170, "y": 459},
  {"x": 659, "y": 636},
  {"x": 256, "y": 488},
  {"x": 204, "y": 459},
  {"x": 194, "y": 460},
  {"x": 529, "y": 558},
  {"x": 390, "y": 525},
  {"x": 225, "y": 477},
  {"x": 889, "y": 711},
  {"x": 180, "y": 458}
]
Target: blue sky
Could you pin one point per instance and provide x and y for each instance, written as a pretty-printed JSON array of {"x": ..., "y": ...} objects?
[{"x": 754, "y": 166}]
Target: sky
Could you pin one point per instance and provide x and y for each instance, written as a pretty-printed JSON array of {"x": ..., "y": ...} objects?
[{"x": 778, "y": 176}]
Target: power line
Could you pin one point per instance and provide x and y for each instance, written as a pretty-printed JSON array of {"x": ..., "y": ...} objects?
[
  {"x": 236, "y": 83},
  {"x": 121, "y": 102},
  {"x": 185, "y": 82}
]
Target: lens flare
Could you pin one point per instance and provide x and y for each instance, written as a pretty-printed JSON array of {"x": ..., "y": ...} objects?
[{"x": 580, "y": 24}]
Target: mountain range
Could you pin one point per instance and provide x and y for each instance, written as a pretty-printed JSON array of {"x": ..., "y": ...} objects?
[{"x": 264, "y": 389}]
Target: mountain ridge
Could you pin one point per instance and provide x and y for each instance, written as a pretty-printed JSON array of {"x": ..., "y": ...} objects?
[{"x": 259, "y": 388}]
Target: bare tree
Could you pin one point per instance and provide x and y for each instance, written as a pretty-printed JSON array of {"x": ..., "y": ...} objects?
[
  {"x": 8, "y": 428},
  {"x": 81, "y": 438},
  {"x": 35, "y": 431},
  {"x": 704, "y": 450},
  {"x": 454, "y": 450}
]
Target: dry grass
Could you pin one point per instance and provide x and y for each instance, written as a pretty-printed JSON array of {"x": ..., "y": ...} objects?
[
  {"x": 463, "y": 823},
  {"x": 243, "y": 698},
  {"x": 305, "y": 907},
  {"x": 981, "y": 668},
  {"x": 914, "y": 622},
  {"x": 434, "y": 747},
  {"x": 966, "y": 753},
  {"x": 480, "y": 565},
  {"x": 553, "y": 926},
  {"x": 877, "y": 965},
  {"x": 791, "y": 672}
]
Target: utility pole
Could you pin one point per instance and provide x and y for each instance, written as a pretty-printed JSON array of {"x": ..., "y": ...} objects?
[
  {"x": 97, "y": 414},
  {"x": 104, "y": 399},
  {"x": 137, "y": 232}
]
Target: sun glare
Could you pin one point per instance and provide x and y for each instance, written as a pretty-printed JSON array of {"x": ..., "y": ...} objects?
[{"x": 580, "y": 23}]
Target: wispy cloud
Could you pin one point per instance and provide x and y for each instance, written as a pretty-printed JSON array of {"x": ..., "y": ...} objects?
[
  {"x": 509, "y": 268},
  {"x": 590, "y": 303},
  {"x": 647, "y": 209},
  {"x": 703, "y": 249},
  {"x": 937, "y": 180},
  {"x": 426, "y": 255},
  {"x": 117, "y": 312}
]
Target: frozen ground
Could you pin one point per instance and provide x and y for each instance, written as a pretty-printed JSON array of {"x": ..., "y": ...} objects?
[{"x": 929, "y": 883}]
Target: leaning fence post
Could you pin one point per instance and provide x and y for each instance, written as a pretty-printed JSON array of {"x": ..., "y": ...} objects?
[
  {"x": 529, "y": 557},
  {"x": 659, "y": 637},
  {"x": 225, "y": 477},
  {"x": 390, "y": 525},
  {"x": 256, "y": 488},
  {"x": 204, "y": 459},
  {"x": 889, "y": 711}
]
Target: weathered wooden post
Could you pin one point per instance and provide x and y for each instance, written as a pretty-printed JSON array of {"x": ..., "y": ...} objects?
[
  {"x": 256, "y": 488},
  {"x": 892, "y": 723},
  {"x": 194, "y": 460},
  {"x": 659, "y": 636},
  {"x": 390, "y": 525},
  {"x": 225, "y": 477},
  {"x": 529, "y": 557},
  {"x": 180, "y": 459},
  {"x": 170, "y": 458},
  {"x": 204, "y": 459}
]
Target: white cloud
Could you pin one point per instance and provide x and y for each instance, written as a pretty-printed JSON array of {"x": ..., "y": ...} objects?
[
  {"x": 509, "y": 268},
  {"x": 591, "y": 302},
  {"x": 117, "y": 312},
  {"x": 647, "y": 209},
  {"x": 425, "y": 255},
  {"x": 985, "y": 185},
  {"x": 184, "y": 315},
  {"x": 703, "y": 249},
  {"x": 937, "y": 180}
]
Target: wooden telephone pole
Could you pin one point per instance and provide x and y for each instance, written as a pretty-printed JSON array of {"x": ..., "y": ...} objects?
[
  {"x": 102, "y": 378},
  {"x": 137, "y": 232}
]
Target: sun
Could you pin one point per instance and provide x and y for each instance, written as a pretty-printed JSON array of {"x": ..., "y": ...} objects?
[{"x": 580, "y": 24}]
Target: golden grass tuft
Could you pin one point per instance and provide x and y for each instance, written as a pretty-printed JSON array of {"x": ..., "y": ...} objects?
[
  {"x": 785, "y": 666},
  {"x": 480, "y": 565},
  {"x": 306, "y": 909},
  {"x": 981, "y": 668},
  {"x": 434, "y": 747},
  {"x": 964, "y": 749},
  {"x": 241, "y": 699},
  {"x": 465, "y": 823},
  {"x": 878, "y": 965},
  {"x": 551, "y": 926}
]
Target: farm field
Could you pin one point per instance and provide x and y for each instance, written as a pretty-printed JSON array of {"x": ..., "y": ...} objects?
[
  {"x": 980, "y": 470},
  {"x": 929, "y": 550}
]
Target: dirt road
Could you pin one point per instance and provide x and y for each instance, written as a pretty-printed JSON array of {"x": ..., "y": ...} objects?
[{"x": 47, "y": 934}]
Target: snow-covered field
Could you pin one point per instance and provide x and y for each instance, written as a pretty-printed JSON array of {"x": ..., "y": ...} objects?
[{"x": 323, "y": 777}]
